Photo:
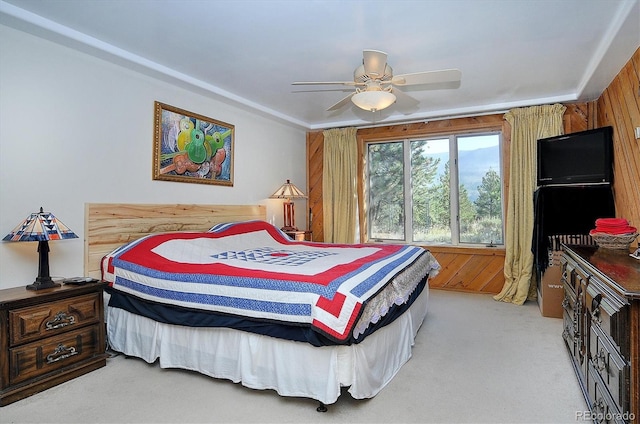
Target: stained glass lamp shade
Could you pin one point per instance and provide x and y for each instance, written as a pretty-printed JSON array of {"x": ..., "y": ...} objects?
[
  {"x": 41, "y": 227},
  {"x": 288, "y": 191}
]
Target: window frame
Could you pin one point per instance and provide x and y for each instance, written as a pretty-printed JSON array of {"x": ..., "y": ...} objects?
[{"x": 454, "y": 170}]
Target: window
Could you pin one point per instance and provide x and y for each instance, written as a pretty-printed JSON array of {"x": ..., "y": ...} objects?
[{"x": 444, "y": 190}]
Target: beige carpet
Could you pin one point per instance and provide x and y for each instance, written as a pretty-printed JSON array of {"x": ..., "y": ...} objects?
[{"x": 475, "y": 361}]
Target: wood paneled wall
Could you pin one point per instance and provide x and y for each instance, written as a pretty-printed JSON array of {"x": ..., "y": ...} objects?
[
  {"x": 315, "y": 158},
  {"x": 481, "y": 270},
  {"x": 469, "y": 269},
  {"x": 619, "y": 106}
]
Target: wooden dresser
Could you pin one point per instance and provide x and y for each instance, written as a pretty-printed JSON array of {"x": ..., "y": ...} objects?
[
  {"x": 48, "y": 337},
  {"x": 601, "y": 329}
]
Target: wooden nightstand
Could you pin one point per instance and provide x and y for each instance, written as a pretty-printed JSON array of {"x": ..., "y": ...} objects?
[
  {"x": 48, "y": 337},
  {"x": 300, "y": 235}
]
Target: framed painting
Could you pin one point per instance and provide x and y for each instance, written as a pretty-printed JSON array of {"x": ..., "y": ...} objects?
[{"x": 191, "y": 148}]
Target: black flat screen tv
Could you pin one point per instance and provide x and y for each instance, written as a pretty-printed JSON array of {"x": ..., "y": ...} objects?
[{"x": 584, "y": 157}]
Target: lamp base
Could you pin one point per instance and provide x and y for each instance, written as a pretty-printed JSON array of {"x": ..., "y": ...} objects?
[
  {"x": 289, "y": 217},
  {"x": 43, "y": 284},
  {"x": 43, "y": 280}
]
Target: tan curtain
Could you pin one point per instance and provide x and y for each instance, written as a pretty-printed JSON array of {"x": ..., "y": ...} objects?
[
  {"x": 339, "y": 176},
  {"x": 527, "y": 126}
]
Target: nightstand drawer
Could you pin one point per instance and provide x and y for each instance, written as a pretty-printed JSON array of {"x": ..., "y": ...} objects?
[
  {"x": 48, "y": 337},
  {"x": 43, "y": 356},
  {"x": 32, "y": 323}
]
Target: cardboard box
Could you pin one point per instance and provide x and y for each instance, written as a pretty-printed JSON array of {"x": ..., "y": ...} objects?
[{"x": 550, "y": 289}]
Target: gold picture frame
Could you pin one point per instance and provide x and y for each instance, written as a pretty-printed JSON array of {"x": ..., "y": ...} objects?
[{"x": 191, "y": 148}]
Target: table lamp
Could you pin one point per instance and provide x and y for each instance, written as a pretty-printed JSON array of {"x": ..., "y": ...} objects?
[
  {"x": 41, "y": 227},
  {"x": 288, "y": 191}
]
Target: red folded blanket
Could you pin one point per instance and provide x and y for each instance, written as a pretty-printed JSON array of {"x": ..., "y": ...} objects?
[
  {"x": 614, "y": 226},
  {"x": 611, "y": 221}
]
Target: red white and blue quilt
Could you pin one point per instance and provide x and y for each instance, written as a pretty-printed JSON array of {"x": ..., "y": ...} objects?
[{"x": 254, "y": 270}]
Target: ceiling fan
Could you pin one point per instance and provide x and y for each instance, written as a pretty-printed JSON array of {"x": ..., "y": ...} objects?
[{"x": 376, "y": 86}]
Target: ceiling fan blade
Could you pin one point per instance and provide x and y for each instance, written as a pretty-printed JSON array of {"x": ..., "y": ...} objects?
[
  {"x": 429, "y": 77},
  {"x": 352, "y": 83},
  {"x": 374, "y": 63},
  {"x": 341, "y": 103},
  {"x": 403, "y": 100}
]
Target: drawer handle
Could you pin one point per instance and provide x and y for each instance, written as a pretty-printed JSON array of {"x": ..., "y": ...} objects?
[
  {"x": 60, "y": 320},
  {"x": 595, "y": 309},
  {"x": 570, "y": 333},
  {"x": 599, "y": 408},
  {"x": 601, "y": 361},
  {"x": 61, "y": 352},
  {"x": 566, "y": 332}
]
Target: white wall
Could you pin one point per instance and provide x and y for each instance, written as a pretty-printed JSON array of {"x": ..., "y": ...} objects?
[{"x": 76, "y": 129}]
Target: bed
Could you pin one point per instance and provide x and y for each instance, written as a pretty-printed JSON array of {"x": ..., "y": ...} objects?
[{"x": 250, "y": 305}]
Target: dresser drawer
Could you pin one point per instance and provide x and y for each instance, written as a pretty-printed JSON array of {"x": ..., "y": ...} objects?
[
  {"x": 569, "y": 275},
  {"x": 610, "y": 313},
  {"x": 604, "y": 409},
  {"x": 610, "y": 366},
  {"x": 32, "y": 323},
  {"x": 41, "y": 357},
  {"x": 570, "y": 320},
  {"x": 569, "y": 301}
]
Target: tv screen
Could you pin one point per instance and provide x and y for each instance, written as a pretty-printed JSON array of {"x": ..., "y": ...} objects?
[{"x": 584, "y": 157}]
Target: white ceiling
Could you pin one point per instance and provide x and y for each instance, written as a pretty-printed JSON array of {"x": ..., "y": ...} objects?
[{"x": 512, "y": 53}]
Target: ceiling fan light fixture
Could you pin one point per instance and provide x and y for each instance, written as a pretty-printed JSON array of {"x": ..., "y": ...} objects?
[
  {"x": 374, "y": 81},
  {"x": 373, "y": 100}
]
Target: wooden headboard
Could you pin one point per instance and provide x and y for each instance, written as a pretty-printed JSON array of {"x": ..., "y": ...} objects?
[{"x": 109, "y": 225}]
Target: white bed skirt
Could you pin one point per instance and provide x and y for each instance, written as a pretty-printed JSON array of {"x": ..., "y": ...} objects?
[{"x": 262, "y": 362}]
